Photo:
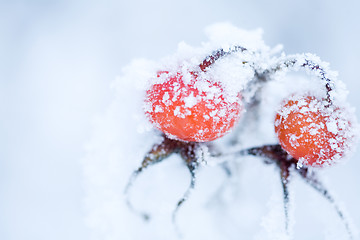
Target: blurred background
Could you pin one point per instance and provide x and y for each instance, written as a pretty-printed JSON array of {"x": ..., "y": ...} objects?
[{"x": 58, "y": 59}]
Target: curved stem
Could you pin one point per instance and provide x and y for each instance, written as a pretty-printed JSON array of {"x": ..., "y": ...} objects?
[
  {"x": 312, "y": 179},
  {"x": 192, "y": 154},
  {"x": 158, "y": 153},
  {"x": 183, "y": 199},
  {"x": 308, "y": 62},
  {"x": 284, "y": 175},
  {"x": 129, "y": 185},
  {"x": 209, "y": 60}
]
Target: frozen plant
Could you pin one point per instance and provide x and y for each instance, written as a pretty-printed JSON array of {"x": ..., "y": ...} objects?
[{"x": 197, "y": 99}]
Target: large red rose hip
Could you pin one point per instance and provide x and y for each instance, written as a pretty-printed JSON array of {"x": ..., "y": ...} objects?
[{"x": 189, "y": 108}]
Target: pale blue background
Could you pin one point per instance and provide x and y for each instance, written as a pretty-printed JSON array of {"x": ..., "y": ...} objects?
[{"x": 58, "y": 58}]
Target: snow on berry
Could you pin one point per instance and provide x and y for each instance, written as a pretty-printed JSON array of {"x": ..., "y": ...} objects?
[
  {"x": 197, "y": 109},
  {"x": 314, "y": 132}
]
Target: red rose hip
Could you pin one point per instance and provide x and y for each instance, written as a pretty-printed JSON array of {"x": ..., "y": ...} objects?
[
  {"x": 313, "y": 132},
  {"x": 187, "y": 107}
]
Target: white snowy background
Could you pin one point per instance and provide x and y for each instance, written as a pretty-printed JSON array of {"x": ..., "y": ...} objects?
[{"x": 58, "y": 60}]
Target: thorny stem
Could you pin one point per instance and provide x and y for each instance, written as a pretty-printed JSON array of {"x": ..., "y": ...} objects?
[
  {"x": 283, "y": 64},
  {"x": 209, "y": 60},
  {"x": 297, "y": 60}
]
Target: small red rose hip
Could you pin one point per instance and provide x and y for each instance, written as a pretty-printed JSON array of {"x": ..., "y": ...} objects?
[
  {"x": 187, "y": 107},
  {"x": 315, "y": 134}
]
